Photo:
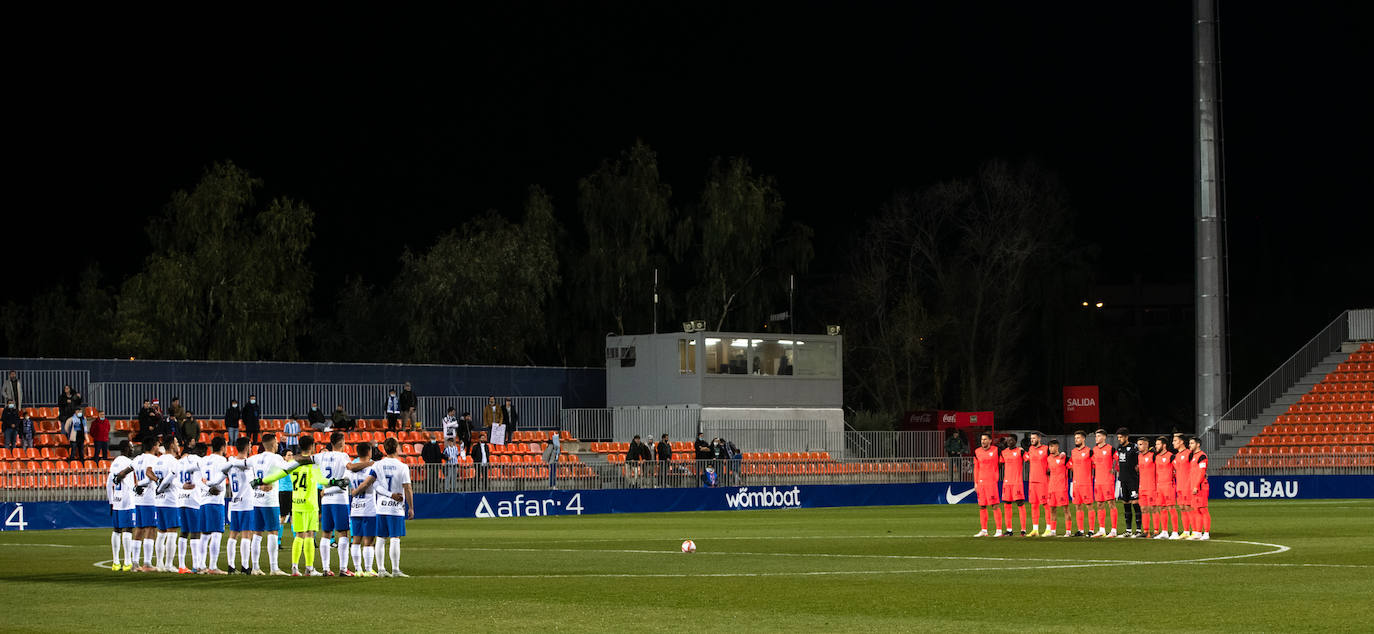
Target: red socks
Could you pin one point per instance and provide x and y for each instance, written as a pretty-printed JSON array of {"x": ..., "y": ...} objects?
[{"x": 983, "y": 517}]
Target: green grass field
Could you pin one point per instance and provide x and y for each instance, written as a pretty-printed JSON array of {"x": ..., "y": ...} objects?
[{"x": 1272, "y": 566}]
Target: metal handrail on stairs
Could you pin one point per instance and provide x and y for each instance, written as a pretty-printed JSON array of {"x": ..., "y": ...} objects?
[{"x": 1327, "y": 341}]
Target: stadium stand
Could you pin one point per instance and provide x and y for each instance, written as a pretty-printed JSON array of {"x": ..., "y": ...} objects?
[{"x": 1332, "y": 425}]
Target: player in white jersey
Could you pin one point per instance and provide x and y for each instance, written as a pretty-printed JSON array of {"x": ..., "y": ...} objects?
[
  {"x": 240, "y": 506},
  {"x": 266, "y": 506},
  {"x": 119, "y": 489},
  {"x": 395, "y": 503},
  {"x": 188, "y": 508},
  {"x": 362, "y": 513},
  {"x": 144, "y": 507},
  {"x": 334, "y": 507},
  {"x": 210, "y": 491},
  {"x": 168, "y": 518}
]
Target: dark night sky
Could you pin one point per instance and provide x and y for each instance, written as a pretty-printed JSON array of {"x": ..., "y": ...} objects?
[{"x": 396, "y": 127}]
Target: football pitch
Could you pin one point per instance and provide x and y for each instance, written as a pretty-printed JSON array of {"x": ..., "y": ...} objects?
[{"x": 1271, "y": 567}]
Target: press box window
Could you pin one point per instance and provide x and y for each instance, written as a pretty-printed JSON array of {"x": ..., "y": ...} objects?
[{"x": 687, "y": 356}]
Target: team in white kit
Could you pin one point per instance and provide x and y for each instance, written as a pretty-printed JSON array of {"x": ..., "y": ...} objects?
[{"x": 167, "y": 500}]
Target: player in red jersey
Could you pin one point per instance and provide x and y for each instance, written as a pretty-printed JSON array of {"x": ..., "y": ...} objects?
[
  {"x": 1057, "y": 493},
  {"x": 1013, "y": 487},
  {"x": 985, "y": 461},
  {"x": 1182, "y": 465},
  {"x": 1145, "y": 467},
  {"x": 1202, "y": 518},
  {"x": 1037, "y": 456},
  {"x": 1166, "y": 495},
  {"x": 1104, "y": 483},
  {"x": 1081, "y": 464}
]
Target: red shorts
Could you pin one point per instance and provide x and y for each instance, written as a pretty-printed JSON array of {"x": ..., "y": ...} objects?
[
  {"x": 1013, "y": 490},
  {"x": 987, "y": 493},
  {"x": 1039, "y": 493},
  {"x": 1166, "y": 496},
  {"x": 1082, "y": 493},
  {"x": 1184, "y": 497},
  {"x": 1104, "y": 492},
  {"x": 1200, "y": 500},
  {"x": 1147, "y": 498},
  {"x": 1058, "y": 497}
]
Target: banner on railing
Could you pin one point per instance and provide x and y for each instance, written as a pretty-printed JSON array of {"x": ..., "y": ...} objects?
[{"x": 19, "y": 516}]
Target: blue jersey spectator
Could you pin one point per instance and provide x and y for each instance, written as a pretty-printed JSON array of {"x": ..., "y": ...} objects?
[{"x": 292, "y": 431}]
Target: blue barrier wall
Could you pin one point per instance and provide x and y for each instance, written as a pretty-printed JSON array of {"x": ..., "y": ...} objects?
[
  {"x": 51, "y": 515},
  {"x": 579, "y": 387}
]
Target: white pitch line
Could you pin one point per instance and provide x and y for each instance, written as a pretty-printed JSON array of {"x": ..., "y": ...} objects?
[
  {"x": 1277, "y": 548},
  {"x": 46, "y": 545},
  {"x": 103, "y": 564},
  {"x": 633, "y": 551}
]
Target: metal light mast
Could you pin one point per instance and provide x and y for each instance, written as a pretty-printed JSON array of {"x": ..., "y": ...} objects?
[{"x": 1209, "y": 214}]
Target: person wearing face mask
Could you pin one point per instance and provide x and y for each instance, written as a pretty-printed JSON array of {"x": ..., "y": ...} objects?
[
  {"x": 252, "y": 418},
  {"x": 76, "y": 435},
  {"x": 9, "y": 420},
  {"x": 317, "y": 420},
  {"x": 231, "y": 421},
  {"x": 13, "y": 390}
]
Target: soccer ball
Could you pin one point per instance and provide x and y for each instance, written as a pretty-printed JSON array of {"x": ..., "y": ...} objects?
[{"x": 689, "y": 546}]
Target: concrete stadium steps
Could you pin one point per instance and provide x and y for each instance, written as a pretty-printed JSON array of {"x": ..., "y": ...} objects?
[{"x": 1231, "y": 443}]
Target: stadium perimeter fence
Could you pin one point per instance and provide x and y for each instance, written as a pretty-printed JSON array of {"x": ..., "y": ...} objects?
[
  {"x": 41, "y": 387},
  {"x": 48, "y": 485}
]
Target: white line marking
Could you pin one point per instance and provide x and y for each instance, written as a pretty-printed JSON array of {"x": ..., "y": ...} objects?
[
  {"x": 756, "y": 554},
  {"x": 1277, "y": 548},
  {"x": 46, "y": 545},
  {"x": 103, "y": 564}
]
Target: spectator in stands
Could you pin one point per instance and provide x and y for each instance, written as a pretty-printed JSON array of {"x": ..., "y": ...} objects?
[
  {"x": 340, "y": 419},
  {"x": 635, "y": 460},
  {"x": 64, "y": 402},
  {"x": 178, "y": 411},
  {"x": 510, "y": 417},
  {"x": 13, "y": 390},
  {"x": 393, "y": 410},
  {"x": 955, "y": 447},
  {"x": 100, "y": 436},
  {"x": 708, "y": 476},
  {"x": 736, "y": 461},
  {"x": 147, "y": 421},
  {"x": 551, "y": 454},
  {"x": 465, "y": 429},
  {"x": 450, "y": 423},
  {"x": 432, "y": 452},
  {"x": 481, "y": 459},
  {"x": 231, "y": 421},
  {"x": 26, "y": 432},
  {"x": 702, "y": 448},
  {"x": 9, "y": 420},
  {"x": 317, "y": 420},
  {"x": 75, "y": 431},
  {"x": 720, "y": 457},
  {"x": 190, "y": 429},
  {"x": 664, "y": 452},
  {"x": 408, "y": 404},
  {"x": 252, "y": 418},
  {"x": 453, "y": 456},
  {"x": 291, "y": 431},
  {"x": 492, "y": 414},
  {"x": 169, "y": 427}
]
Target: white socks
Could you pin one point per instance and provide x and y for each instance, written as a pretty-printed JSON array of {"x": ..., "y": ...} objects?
[
  {"x": 132, "y": 549},
  {"x": 360, "y": 561},
  {"x": 148, "y": 550},
  {"x": 246, "y": 551},
  {"x": 200, "y": 551},
  {"x": 127, "y": 539},
  {"x": 115, "y": 541},
  {"x": 231, "y": 551},
  {"x": 273, "y": 551},
  {"x": 256, "y": 550},
  {"x": 181, "y": 552},
  {"x": 324, "y": 555},
  {"x": 395, "y": 554},
  {"x": 211, "y": 557},
  {"x": 343, "y": 553}
]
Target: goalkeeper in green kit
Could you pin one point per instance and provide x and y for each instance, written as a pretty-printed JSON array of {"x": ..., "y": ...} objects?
[{"x": 306, "y": 482}]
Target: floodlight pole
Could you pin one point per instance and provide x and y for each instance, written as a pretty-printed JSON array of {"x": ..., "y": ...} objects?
[
  {"x": 1209, "y": 207},
  {"x": 655, "y": 300}
]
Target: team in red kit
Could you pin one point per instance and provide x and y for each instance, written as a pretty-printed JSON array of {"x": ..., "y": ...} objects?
[{"x": 1164, "y": 488}]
